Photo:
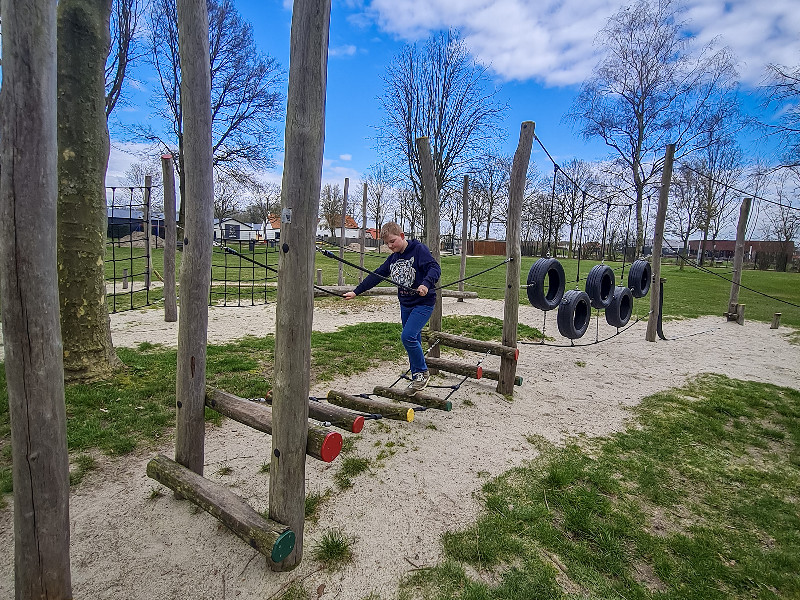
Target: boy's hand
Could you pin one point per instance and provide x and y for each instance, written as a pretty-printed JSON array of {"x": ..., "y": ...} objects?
[
  {"x": 349, "y": 295},
  {"x": 422, "y": 290}
]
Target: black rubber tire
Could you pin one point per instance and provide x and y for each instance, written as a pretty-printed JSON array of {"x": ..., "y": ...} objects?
[
  {"x": 620, "y": 310},
  {"x": 546, "y": 282},
  {"x": 639, "y": 278},
  {"x": 574, "y": 314},
  {"x": 600, "y": 286}
]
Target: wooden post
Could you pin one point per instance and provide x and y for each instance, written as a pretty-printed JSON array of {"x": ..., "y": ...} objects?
[
  {"x": 342, "y": 238},
  {"x": 430, "y": 192},
  {"x": 516, "y": 196},
  {"x": 388, "y": 410},
  {"x": 34, "y": 353},
  {"x": 363, "y": 233},
  {"x": 740, "y": 313},
  {"x": 658, "y": 241},
  {"x": 464, "y": 233},
  {"x": 124, "y": 279},
  {"x": 170, "y": 298},
  {"x": 776, "y": 321},
  {"x": 148, "y": 217},
  {"x": 302, "y": 175},
  {"x": 319, "y": 276},
  {"x": 418, "y": 399},
  {"x": 198, "y": 234},
  {"x": 738, "y": 259}
]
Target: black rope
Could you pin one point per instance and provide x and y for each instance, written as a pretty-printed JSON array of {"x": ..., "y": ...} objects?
[
  {"x": 446, "y": 285},
  {"x": 605, "y": 228},
  {"x": 735, "y": 189},
  {"x": 574, "y": 345},
  {"x": 329, "y": 254},
  {"x": 707, "y": 270}
]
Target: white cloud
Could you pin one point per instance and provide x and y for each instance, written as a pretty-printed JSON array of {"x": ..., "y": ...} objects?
[
  {"x": 122, "y": 156},
  {"x": 345, "y": 157},
  {"x": 346, "y": 50},
  {"x": 553, "y": 40}
]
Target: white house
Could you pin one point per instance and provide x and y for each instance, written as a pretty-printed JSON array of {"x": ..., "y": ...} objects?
[{"x": 231, "y": 229}]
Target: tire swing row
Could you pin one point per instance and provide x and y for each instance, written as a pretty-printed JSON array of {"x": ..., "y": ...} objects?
[{"x": 546, "y": 283}]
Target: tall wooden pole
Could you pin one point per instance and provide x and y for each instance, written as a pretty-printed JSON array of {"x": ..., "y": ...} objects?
[
  {"x": 342, "y": 238},
  {"x": 431, "y": 194},
  {"x": 29, "y": 296},
  {"x": 170, "y": 299},
  {"x": 464, "y": 226},
  {"x": 516, "y": 196},
  {"x": 658, "y": 241},
  {"x": 363, "y": 232},
  {"x": 198, "y": 234},
  {"x": 302, "y": 176},
  {"x": 738, "y": 256}
]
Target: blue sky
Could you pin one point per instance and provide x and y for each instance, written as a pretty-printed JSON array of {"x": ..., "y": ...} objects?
[{"x": 537, "y": 51}]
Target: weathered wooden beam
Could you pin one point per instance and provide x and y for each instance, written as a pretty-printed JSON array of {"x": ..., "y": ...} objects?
[
  {"x": 322, "y": 443},
  {"x": 452, "y": 366},
  {"x": 494, "y": 375},
  {"x": 389, "y": 291},
  {"x": 268, "y": 537},
  {"x": 464, "y": 343},
  {"x": 335, "y": 415},
  {"x": 388, "y": 410},
  {"x": 420, "y": 398}
]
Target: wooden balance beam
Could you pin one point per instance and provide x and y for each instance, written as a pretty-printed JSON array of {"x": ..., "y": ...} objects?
[
  {"x": 464, "y": 343},
  {"x": 420, "y": 398},
  {"x": 388, "y": 410},
  {"x": 494, "y": 375},
  {"x": 323, "y": 444},
  {"x": 330, "y": 413},
  {"x": 265, "y": 535},
  {"x": 452, "y": 366}
]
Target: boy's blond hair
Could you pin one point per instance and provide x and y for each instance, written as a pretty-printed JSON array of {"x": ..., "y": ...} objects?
[{"x": 390, "y": 228}]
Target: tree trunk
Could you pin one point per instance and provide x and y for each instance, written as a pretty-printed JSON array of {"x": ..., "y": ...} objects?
[
  {"x": 29, "y": 297},
  {"x": 83, "y": 40}
]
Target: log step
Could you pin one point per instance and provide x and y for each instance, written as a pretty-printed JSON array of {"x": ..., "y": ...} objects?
[
  {"x": 494, "y": 375},
  {"x": 265, "y": 535},
  {"x": 420, "y": 398},
  {"x": 335, "y": 415},
  {"x": 388, "y": 410},
  {"x": 452, "y": 366},
  {"x": 465, "y": 343},
  {"x": 322, "y": 443}
]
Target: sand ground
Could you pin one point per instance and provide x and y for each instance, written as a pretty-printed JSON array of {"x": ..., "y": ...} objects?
[{"x": 126, "y": 545}]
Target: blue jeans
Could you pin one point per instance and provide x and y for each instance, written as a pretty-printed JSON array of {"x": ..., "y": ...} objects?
[{"x": 414, "y": 319}]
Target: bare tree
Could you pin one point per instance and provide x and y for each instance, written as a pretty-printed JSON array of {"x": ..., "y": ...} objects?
[
  {"x": 783, "y": 93},
  {"x": 578, "y": 176},
  {"x": 244, "y": 86},
  {"x": 330, "y": 206},
  {"x": 489, "y": 181},
  {"x": 379, "y": 194},
  {"x": 650, "y": 91},
  {"x": 783, "y": 222},
  {"x": 439, "y": 91},
  {"x": 136, "y": 176},
  {"x": 227, "y": 198},
  {"x": 266, "y": 202},
  {"x": 684, "y": 211},
  {"x": 125, "y": 49}
]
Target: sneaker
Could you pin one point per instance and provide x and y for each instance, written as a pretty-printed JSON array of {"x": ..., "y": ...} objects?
[{"x": 419, "y": 381}]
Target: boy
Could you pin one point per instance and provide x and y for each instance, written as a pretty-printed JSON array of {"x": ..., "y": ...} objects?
[{"x": 412, "y": 267}]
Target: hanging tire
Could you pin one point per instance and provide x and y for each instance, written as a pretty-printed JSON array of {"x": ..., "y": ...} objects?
[
  {"x": 639, "y": 278},
  {"x": 600, "y": 286},
  {"x": 574, "y": 314},
  {"x": 620, "y": 310},
  {"x": 546, "y": 282}
]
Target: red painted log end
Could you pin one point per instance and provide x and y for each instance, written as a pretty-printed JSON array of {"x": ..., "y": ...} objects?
[
  {"x": 358, "y": 425},
  {"x": 516, "y": 354},
  {"x": 479, "y": 372},
  {"x": 331, "y": 446}
]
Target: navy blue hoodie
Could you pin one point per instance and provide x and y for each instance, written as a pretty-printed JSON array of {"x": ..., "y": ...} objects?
[{"x": 411, "y": 268}]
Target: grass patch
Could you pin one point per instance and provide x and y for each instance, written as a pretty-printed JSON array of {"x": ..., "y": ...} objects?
[
  {"x": 81, "y": 465},
  {"x": 698, "y": 500},
  {"x": 333, "y": 550},
  {"x": 314, "y": 501},
  {"x": 351, "y": 467}
]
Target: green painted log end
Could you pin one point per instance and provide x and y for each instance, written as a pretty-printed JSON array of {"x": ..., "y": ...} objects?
[
  {"x": 283, "y": 546},
  {"x": 518, "y": 380}
]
